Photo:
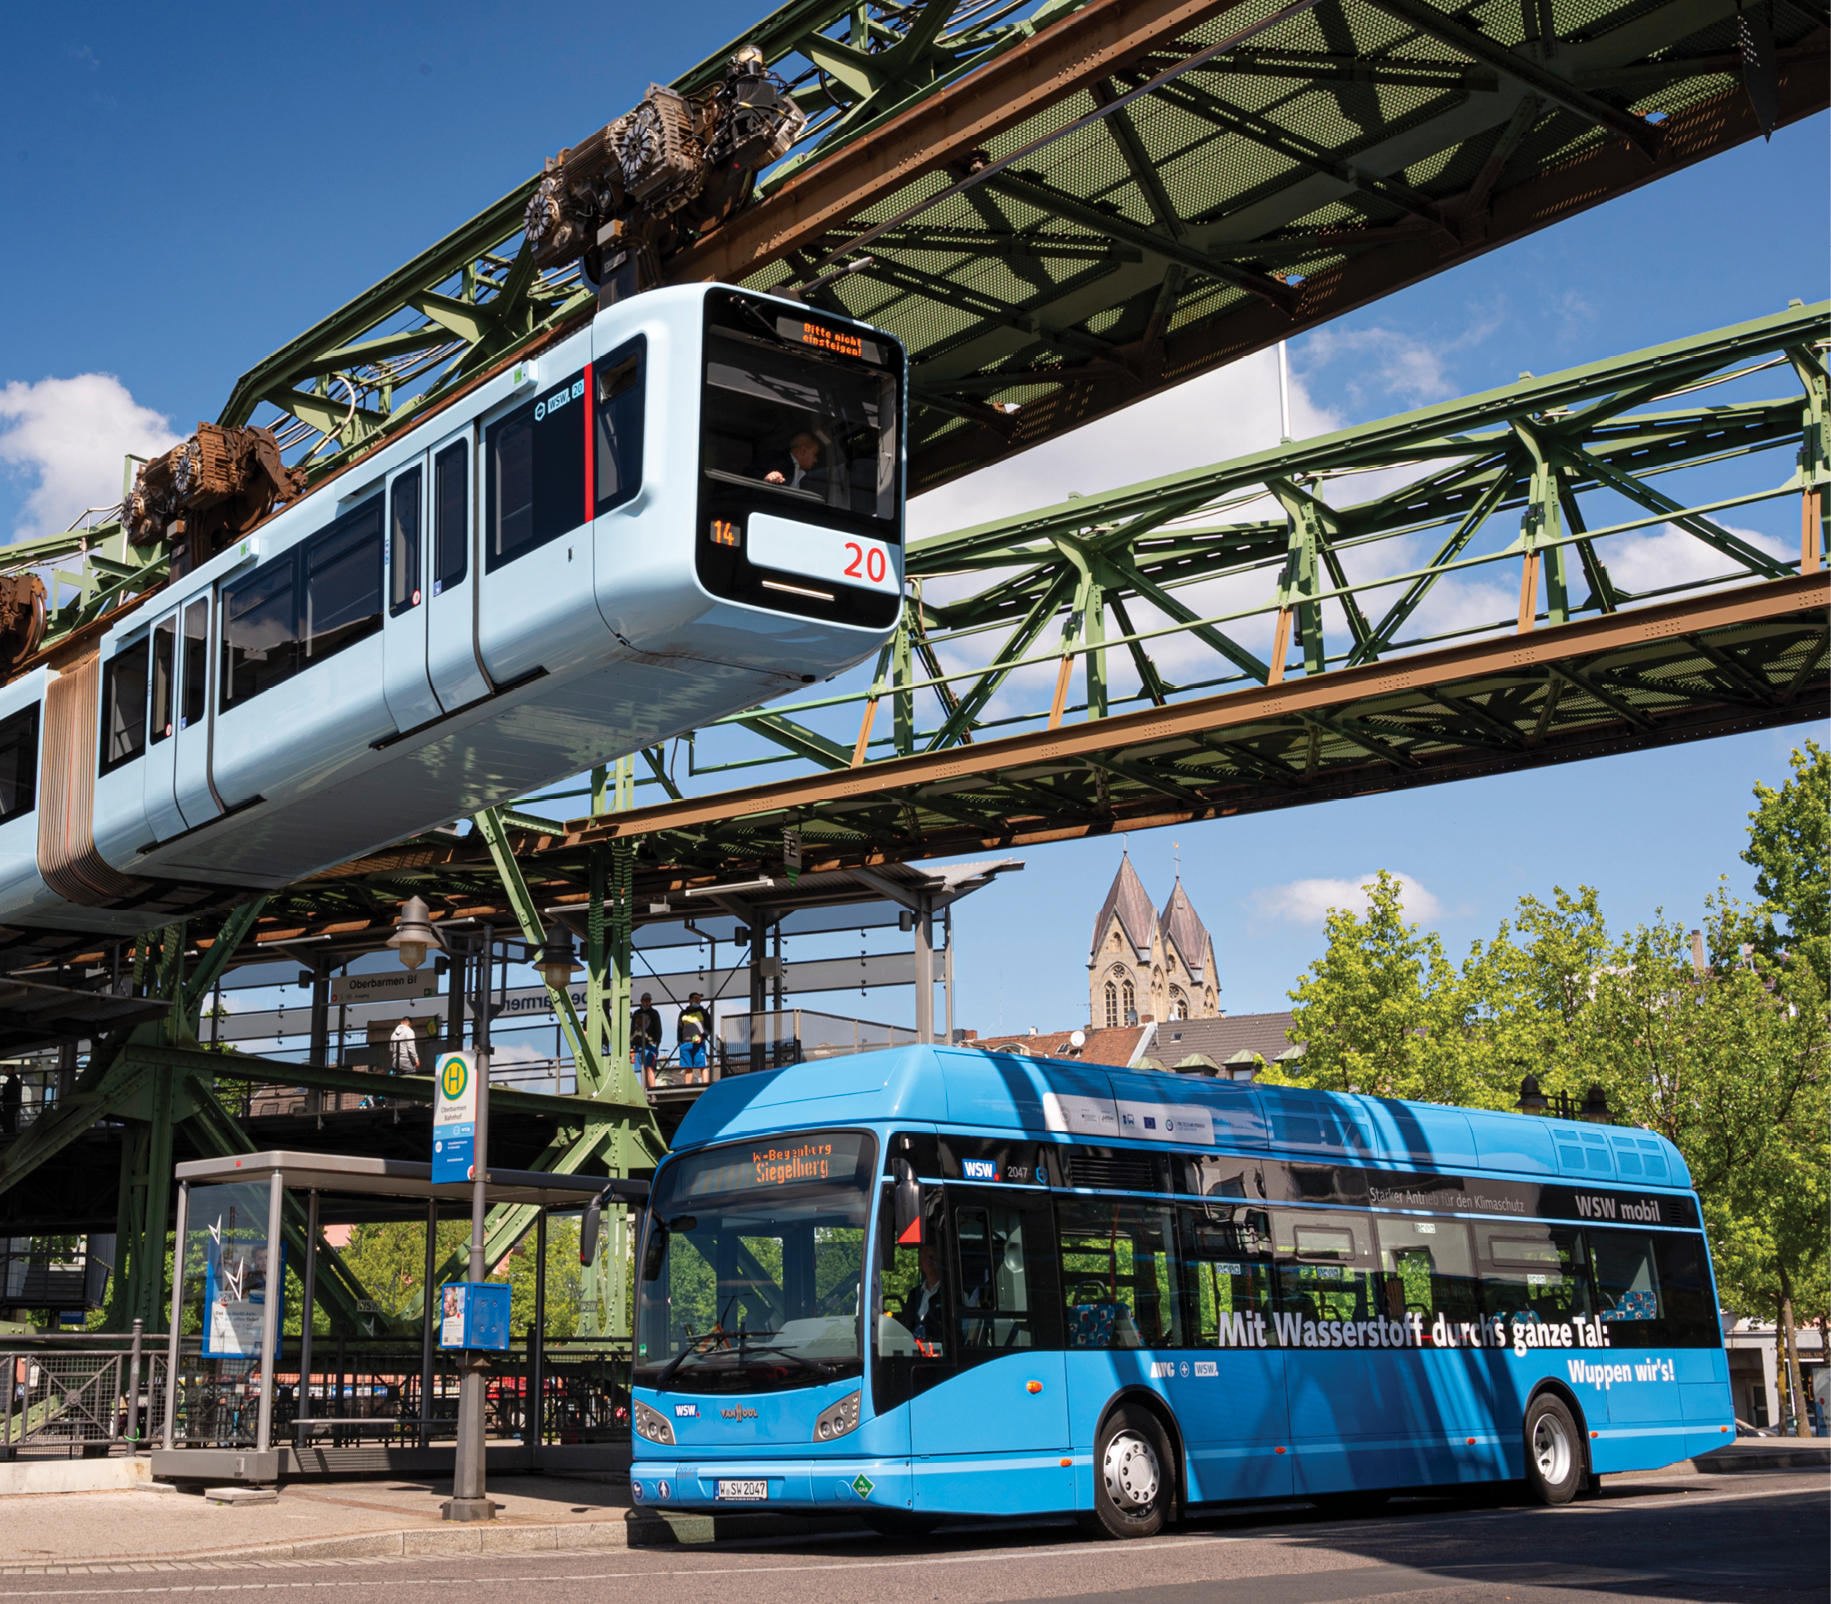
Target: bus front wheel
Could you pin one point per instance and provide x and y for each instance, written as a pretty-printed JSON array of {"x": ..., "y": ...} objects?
[
  {"x": 1133, "y": 1475},
  {"x": 1554, "y": 1450}
]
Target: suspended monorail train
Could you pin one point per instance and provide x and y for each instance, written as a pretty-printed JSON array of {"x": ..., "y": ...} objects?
[{"x": 685, "y": 508}]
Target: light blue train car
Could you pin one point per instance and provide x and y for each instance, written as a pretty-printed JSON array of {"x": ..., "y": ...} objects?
[
  {"x": 937, "y": 1282},
  {"x": 683, "y": 507}
]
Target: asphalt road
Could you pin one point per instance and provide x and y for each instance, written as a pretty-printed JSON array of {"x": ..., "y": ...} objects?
[{"x": 1752, "y": 1538}]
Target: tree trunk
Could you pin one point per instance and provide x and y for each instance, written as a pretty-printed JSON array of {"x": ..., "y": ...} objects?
[{"x": 1801, "y": 1426}]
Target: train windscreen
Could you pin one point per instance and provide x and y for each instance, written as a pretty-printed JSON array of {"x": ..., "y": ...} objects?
[{"x": 803, "y": 414}]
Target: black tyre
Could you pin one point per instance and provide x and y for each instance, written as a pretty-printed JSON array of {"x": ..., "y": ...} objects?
[
  {"x": 1351, "y": 1506},
  {"x": 1554, "y": 1450},
  {"x": 1134, "y": 1475},
  {"x": 900, "y": 1522}
]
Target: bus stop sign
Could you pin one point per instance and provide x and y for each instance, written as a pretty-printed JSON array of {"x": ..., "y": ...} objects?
[{"x": 454, "y": 1119}]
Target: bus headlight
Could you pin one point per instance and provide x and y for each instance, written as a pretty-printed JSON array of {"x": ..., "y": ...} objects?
[
  {"x": 653, "y": 1425},
  {"x": 837, "y": 1419}
]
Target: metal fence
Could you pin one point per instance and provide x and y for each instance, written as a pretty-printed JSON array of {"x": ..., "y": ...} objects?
[
  {"x": 84, "y": 1396},
  {"x": 374, "y": 1392},
  {"x": 774, "y": 1040}
]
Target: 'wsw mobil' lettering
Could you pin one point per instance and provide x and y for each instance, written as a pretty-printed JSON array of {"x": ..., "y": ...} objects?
[{"x": 1636, "y": 1211}]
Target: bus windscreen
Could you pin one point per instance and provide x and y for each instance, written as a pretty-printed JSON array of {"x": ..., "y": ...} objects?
[{"x": 751, "y": 1277}]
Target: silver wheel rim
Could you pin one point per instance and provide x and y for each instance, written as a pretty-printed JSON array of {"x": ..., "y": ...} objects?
[
  {"x": 1132, "y": 1472},
  {"x": 1551, "y": 1450}
]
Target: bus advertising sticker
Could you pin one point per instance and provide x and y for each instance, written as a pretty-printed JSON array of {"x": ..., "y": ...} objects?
[{"x": 862, "y": 1485}]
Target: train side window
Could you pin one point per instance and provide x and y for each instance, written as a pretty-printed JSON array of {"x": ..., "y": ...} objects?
[
  {"x": 195, "y": 670},
  {"x": 536, "y": 463},
  {"x": 19, "y": 763},
  {"x": 617, "y": 443},
  {"x": 343, "y": 579},
  {"x": 165, "y": 653},
  {"x": 450, "y": 523},
  {"x": 124, "y": 707},
  {"x": 260, "y": 632},
  {"x": 404, "y": 499}
]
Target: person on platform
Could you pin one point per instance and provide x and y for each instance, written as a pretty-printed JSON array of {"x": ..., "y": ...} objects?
[
  {"x": 802, "y": 470},
  {"x": 645, "y": 1038},
  {"x": 404, "y": 1049},
  {"x": 694, "y": 1027}
]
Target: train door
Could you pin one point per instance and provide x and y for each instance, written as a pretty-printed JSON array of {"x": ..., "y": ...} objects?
[
  {"x": 405, "y": 686},
  {"x": 192, "y": 729},
  {"x": 162, "y": 811},
  {"x": 451, "y": 604}
]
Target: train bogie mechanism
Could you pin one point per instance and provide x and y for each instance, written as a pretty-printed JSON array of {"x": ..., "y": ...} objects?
[
  {"x": 201, "y": 495},
  {"x": 650, "y": 183}
]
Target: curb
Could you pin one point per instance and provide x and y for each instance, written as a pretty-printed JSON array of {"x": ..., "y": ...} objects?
[
  {"x": 1735, "y": 1458},
  {"x": 653, "y": 1528},
  {"x": 412, "y": 1542}
]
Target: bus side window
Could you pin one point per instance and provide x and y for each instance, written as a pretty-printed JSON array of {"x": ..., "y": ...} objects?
[
  {"x": 124, "y": 707},
  {"x": 1434, "y": 1262},
  {"x": 1227, "y": 1257},
  {"x": 1532, "y": 1271},
  {"x": 1326, "y": 1268},
  {"x": 912, "y": 1351},
  {"x": 1120, "y": 1275},
  {"x": 1627, "y": 1283},
  {"x": 617, "y": 446},
  {"x": 1691, "y": 1312},
  {"x": 1005, "y": 1280}
]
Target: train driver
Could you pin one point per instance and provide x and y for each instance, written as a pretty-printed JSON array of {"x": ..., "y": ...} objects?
[{"x": 802, "y": 470}]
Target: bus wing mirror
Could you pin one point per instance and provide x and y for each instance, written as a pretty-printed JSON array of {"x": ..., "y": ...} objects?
[
  {"x": 908, "y": 1199},
  {"x": 588, "y": 1232}
]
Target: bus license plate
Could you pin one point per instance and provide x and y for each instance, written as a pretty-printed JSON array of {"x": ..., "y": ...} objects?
[{"x": 743, "y": 1492}]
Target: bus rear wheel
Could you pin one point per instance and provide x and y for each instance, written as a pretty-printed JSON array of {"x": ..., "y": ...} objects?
[
  {"x": 1554, "y": 1451},
  {"x": 1133, "y": 1475}
]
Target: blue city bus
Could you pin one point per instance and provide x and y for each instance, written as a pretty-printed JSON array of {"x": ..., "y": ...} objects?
[{"x": 936, "y": 1282}]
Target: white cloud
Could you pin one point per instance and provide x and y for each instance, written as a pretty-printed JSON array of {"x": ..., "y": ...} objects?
[
  {"x": 1387, "y": 362},
  {"x": 70, "y": 437},
  {"x": 1308, "y": 902},
  {"x": 1671, "y": 556},
  {"x": 1220, "y": 415}
]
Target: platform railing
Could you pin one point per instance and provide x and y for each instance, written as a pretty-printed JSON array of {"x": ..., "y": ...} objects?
[{"x": 86, "y": 1395}]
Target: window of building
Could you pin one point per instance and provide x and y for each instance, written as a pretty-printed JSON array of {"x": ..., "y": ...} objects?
[
  {"x": 19, "y": 763},
  {"x": 1112, "y": 1006},
  {"x": 536, "y": 467},
  {"x": 124, "y": 707},
  {"x": 1129, "y": 998}
]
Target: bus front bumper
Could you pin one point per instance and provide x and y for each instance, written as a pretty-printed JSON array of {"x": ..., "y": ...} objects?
[{"x": 827, "y": 1485}]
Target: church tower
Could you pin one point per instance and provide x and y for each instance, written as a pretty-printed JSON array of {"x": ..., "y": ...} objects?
[{"x": 1144, "y": 965}]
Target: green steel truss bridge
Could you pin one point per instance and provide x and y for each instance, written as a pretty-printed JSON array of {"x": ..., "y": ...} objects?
[{"x": 1062, "y": 208}]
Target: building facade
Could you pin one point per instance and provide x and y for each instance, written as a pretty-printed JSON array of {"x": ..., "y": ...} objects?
[{"x": 1146, "y": 964}]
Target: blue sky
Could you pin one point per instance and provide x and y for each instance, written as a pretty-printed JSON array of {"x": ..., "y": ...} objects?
[{"x": 187, "y": 189}]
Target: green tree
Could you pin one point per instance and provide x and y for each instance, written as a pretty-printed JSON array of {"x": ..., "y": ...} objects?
[{"x": 1789, "y": 839}]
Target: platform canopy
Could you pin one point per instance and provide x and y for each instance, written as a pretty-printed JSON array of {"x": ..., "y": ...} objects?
[{"x": 343, "y": 1173}]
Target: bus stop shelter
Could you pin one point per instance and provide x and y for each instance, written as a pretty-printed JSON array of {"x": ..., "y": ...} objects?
[{"x": 231, "y": 1214}]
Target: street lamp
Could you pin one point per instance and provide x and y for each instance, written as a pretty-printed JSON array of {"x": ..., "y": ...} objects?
[
  {"x": 413, "y": 933},
  {"x": 558, "y": 957},
  {"x": 1595, "y": 1109},
  {"x": 1531, "y": 1099}
]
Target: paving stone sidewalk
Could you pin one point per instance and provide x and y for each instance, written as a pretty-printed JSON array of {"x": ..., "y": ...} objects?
[{"x": 76, "y": 1533}]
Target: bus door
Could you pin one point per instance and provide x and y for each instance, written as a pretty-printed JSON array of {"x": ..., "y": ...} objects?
[
  {"x": 999, "y": 1389},
  {"x": 196, "y": 703},
  {"x": 451, "y": 600},
  {"x": 405, "y": 687},
  {"x": 1231, "y": 1405},
  {"x": 156, "y": 771}
]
